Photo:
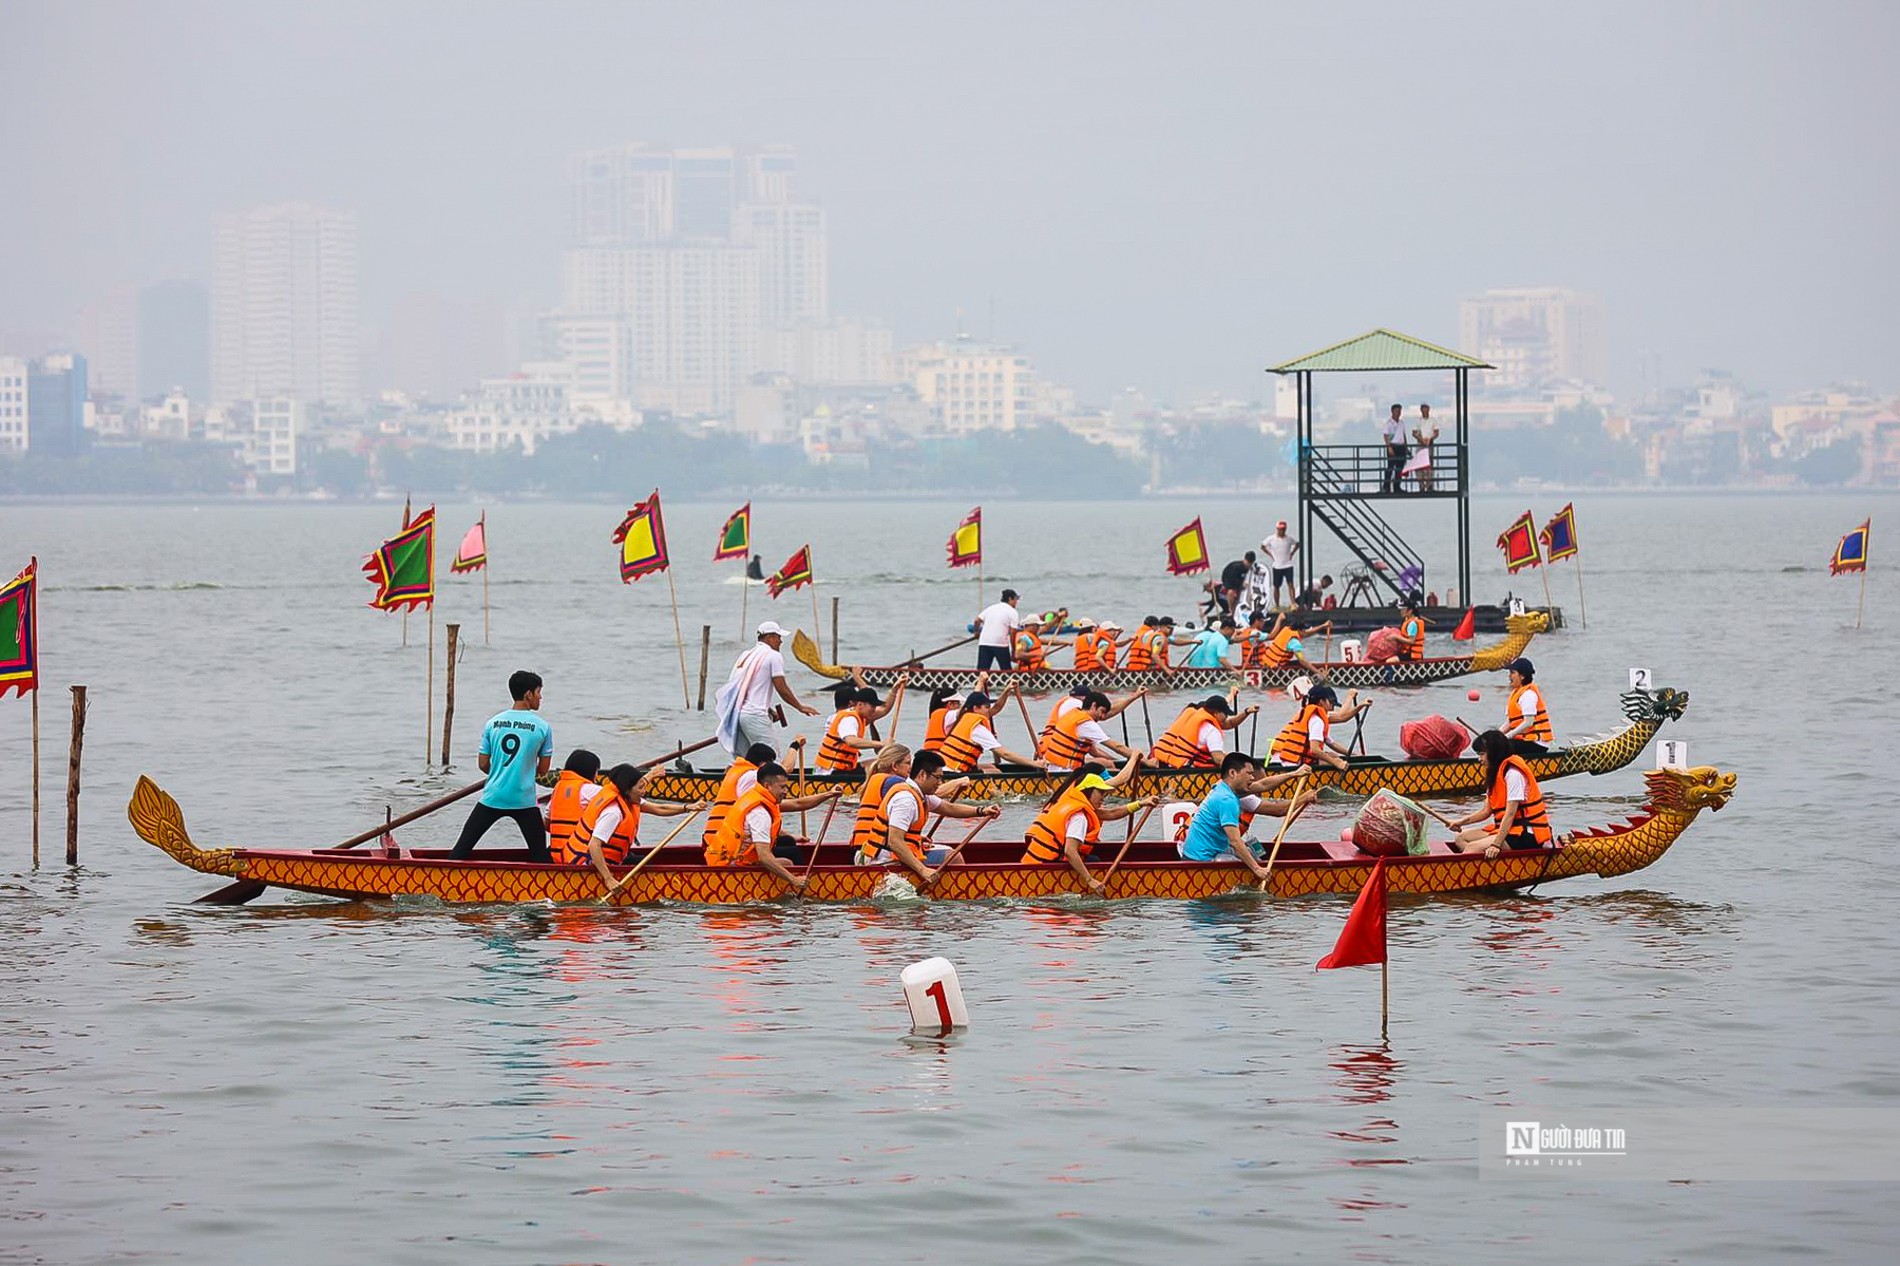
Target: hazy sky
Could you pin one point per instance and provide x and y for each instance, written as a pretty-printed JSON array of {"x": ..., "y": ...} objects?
[{"x": 1164, "y": 195}]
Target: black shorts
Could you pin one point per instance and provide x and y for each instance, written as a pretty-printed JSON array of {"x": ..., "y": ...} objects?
[
  {"x": 1282, "y": 576},
  {"x": 1521, "y": 839},
  {"x": 993, "y": 657}
]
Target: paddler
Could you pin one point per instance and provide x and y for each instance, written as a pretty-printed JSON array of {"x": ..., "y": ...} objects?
[
  {"x": 848, "y": 735},
  {"x": 1526, "y": 719},
  {"x": 1142, "y": 650},
  {"x": 1196, "y": 739},
  {"x": 609, "y": 822},
  {"x": 1068, "y": 830},
  {"x": 1411, "y": 646},
  {"x": 1030, "y": 652},
  {"x": 1220, "y": 825},
  {"x": 1071, "y": 702},
  {"x": 750, "y": 833},
  {"x": 1308, "y": 736},
  {"x": 1076, "y": 735},
  {"x": 1211, "y": 645},
  {"x": 741, "y": 776},
  {"x": 574, "y": 786},
  {"x": 516, "y": 751},
  {"x": 900, "y": 794},
  {"x": 1094, "y": 646},
  {"x": 1284, "y": 647},
  {"x": 972, "y": 739},
  {"x": 1512, "y": 802},
  {"x": 1108, "y": 634}
]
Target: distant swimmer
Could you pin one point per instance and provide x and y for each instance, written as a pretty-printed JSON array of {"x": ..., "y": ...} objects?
[{"x": 517, "y": 748}]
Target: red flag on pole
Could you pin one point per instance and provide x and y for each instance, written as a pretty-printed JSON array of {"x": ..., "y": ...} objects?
[
  {"x": 1467, "y": 627},
  {"x": 1362, "y": 940}
]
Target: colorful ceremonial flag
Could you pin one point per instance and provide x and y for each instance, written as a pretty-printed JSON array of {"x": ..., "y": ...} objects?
[
  {"x": 735, "y": 539},
  {"x": 966, "y": 543},
  {"x": 1560, "y": 535},
  {"x": 796, "y": 572},
  {"x": 1362, "y": 940},
  {"x": 19, "y": 632},
  {"x": 1467, "y": 627},
  {"x": 641, "y": 537},
  {"x": 1851, "y": 553},
  {"x": 1187, "y": 551},
  {"x": 403, "y": 570},
  {"x": 1519, "y": 543},
  {"x": 472, "y": 553}
]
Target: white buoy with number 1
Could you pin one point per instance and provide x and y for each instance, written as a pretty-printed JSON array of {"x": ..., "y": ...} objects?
[{"x": 935, "y": 998}]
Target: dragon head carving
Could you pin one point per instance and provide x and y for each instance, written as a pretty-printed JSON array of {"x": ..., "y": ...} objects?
[
  {"x": 1689, "y": 790},
  {"x": 1529, "y": 622},
  {"x": 1663, "y": 704}
]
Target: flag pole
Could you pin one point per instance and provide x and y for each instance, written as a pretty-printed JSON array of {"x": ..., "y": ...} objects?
[
  {"x": 485, "y": 567},
  {"x": 1385, "y": 966},
  {"x": 1866, "y": 549},
  {"x": 1583, "y": 619},
  {"x": 428, "y": 698},
  {"x": 1548, "y": 604},
  {"x": 979, "y": 579},
  {"x": 36, "y": 775},
  {"x": 745, "y": 595},
  {"x": 817, "y": 629},
  {"x": 679, "y": 637}
]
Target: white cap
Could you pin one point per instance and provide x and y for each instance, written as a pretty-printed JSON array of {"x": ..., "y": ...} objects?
[
  {"x": 771, "y": 626},
  {"x": 1109, "y": 624}
]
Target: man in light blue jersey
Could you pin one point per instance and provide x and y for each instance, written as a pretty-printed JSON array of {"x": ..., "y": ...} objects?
[
  {"x": 517, "y": 748},
  {"x": 1211, "y": 645},
  {"x": 1219, "y": 828}
]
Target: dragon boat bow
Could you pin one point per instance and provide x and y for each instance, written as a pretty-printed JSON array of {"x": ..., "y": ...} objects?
[
  {"x": 986, "y": 869},
  {"x": 1344, "y": 674}
]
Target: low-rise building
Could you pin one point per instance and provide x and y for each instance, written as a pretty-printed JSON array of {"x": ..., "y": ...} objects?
[
  {"x": 14, "y": 433},
  {"x": 971, "y": 386}
]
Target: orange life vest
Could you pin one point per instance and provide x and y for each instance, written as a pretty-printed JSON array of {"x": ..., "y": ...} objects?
[
  {"x": 938, "y": 727},
  {"x": 728, "y": 792},
  {"x": 1088, "y": 656},
  {"x": 1065, "y": 748},
  {"x": 873, "y": 828},
  {"x": 1030, "y": 655},
  {"x": 960, "y": 752},
  {"x": 1278, "y": 652},
  {"x": 1540, "y": 731},
  {"x": 834, "y": 754},
  {"x": 564, "y": 806},
  {"x": 1532, "y": 816},
  {"x": 1049, "y": 727},
  {"x": 1180, "y": 747},
  {"x": 1105, "y": 650},
  {"x": 731, "y": 846},
  {"x": 1046, "y": 834},
  {"x": 571, "y": 849},
  {"x": 1161, "y": 645},
  {"x": 1291, "y": 745},
  {"x": 1141, "y": 651},
  {"x": 1412, "y": 638}
]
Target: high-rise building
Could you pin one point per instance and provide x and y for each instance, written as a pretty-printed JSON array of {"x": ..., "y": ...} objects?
[
  {"x": 1535, "y": 336},
  {"x": 840, "y": 352},
  {"x": 640, "y": 192},
  {"x": 14, "y": 436},
  {"x": 108, "y": 330},
  {"x": 437, "y": 347},
  {"x": 971, "y": 386},
  {"x": 600, "y": 351},
  {"x": 794, "y": 268},
  {"x": 284, "y": 319},
  {"x": 56, "y": 388},
  {"x": 174, "y": 340}
]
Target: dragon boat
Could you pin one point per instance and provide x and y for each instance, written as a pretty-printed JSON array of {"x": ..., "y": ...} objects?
[
  {"x": 1646, "y": 713},
  {"x": 1343, "y": 674},
  {"x": 986, "y": 870}
]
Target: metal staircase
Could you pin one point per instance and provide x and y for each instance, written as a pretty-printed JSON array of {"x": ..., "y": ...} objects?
[{"x": 1334, "y": 496}]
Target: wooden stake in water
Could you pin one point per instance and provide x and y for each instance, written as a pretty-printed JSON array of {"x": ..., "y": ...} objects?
[
  {"x": 705, "y": 662},
  {"x": 72, "y": 775},
  {"x": 679, "y": 637},
  {"x": 428, "y": 694},
  {"x": 834, "y": 628},
  {"x": 817, "y": 629},
  {"x": 1866, "y": 548},
  {"x": 1385, "y": 996},
  {"x": 745, "y": 593},
  {"x": 448, "y": 702},
  {"x": 1583, "y": 618}
]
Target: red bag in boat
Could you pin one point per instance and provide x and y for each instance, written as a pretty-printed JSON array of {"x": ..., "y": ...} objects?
[
  {"x": 1389, "y": 826},
  {"x": 1434, "y": 738},
  {"x": 1382, "y": 644}
]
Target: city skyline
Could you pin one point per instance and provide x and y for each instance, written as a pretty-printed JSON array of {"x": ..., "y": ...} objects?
[{"x": 1125, "y": 205}]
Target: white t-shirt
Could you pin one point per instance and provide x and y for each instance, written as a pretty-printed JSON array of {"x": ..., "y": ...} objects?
[
  {"x": 1251, "y": 804},
  {"x": 1078, "y": 827},
  {"x": 850, "y": 727},
  {"x": 985, "y": 740},
  {"x": 1279, "y": 550},
  {"x": 1316, "y": 734},
  {"x": 756, "y": 668},
  {"x": 1514, "y": 788},
  {"x": 1212, "y": 738},
  {"x": 588, "y": 792},
  {"x": 903, "y": 813},
  {"x": 1069, "y": 704},
  {"x": 1091, "y": 732},
  {"x": 758, "y": 826},
  {"x": 998, "y": 624},
  {"x": 607, "y": 823},
  {"x": 747, "y": 781},
  {"x": 1395, "y": 429}
]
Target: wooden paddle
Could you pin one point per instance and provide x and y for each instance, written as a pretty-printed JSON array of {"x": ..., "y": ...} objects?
[
  {"x": 822, "y": 828},
  {"x": 1034, "y": 740},
  {"x": 1285, "y": 822},
  {"x": 1134, "y": 829},
  {"x": 916, "y": 660},
  {"x": 606, "y": 898},
  {"x": 1146, "y": 724},
  {"x": 442, "y": 802},
  {"x": 954, "y": 853}
]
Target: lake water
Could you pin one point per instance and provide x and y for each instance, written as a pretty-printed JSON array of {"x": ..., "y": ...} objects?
[{"x": 302, "y": 1081}]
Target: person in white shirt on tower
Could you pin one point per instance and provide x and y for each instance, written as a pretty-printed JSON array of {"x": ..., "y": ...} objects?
[{"x": 1280, "y": 550}]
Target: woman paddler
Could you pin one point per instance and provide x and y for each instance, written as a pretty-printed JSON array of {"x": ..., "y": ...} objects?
[
  {"x": 1068, "y": 830},
  {"x": 900, "y": 794},
  {"x": 1526, "y": 718},
  {"x": 609, "y": 823},
  {"x": 1512, "y": 802}
]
